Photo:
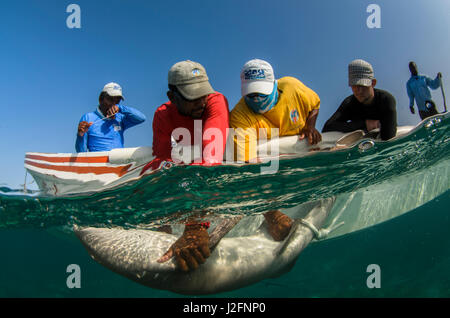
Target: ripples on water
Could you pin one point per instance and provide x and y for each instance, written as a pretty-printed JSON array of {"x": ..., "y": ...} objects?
[{"x": 168, "y": 195}]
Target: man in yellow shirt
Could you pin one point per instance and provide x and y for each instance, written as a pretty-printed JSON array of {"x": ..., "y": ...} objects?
[{"x": 285, "y": 104}]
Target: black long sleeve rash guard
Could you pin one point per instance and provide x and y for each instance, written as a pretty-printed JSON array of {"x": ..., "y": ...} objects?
[{"x": 351, "y": 115}]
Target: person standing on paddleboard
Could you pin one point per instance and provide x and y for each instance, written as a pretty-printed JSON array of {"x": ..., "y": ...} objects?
[
  {"x": 102, "y": 129},
  {"x": 368, "y": 108},
  {"x": 417, "y": 88}
]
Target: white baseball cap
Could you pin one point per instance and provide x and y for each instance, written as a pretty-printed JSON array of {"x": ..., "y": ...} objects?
[
  {"x": 113, "y": 89},
  {"x": 257, "y": 77}
]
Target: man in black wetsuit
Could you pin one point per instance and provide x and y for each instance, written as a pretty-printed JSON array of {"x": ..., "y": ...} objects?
[{"x": 368, "y": 108}]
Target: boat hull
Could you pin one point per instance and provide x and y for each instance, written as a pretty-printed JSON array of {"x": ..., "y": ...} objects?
[{"x": 62, "y": 174}]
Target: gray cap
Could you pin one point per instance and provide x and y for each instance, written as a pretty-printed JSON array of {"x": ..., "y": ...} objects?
[
  {"x": 190, "y": 79},
  {"x": 360, "y": 72}
]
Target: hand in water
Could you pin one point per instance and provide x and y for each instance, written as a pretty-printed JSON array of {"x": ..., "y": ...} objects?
[
  {"x": 279, "y": 224},
  {"x": 191, "y": 249}
]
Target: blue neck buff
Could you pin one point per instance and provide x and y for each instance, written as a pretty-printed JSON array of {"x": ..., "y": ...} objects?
[{"x": 263, "y": 103}]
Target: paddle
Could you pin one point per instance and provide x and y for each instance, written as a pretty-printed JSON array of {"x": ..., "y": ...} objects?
[{"x": 443, "y": 94}]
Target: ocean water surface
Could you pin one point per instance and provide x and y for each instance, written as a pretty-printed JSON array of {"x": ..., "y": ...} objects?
[{"x": 393, "y": 199}]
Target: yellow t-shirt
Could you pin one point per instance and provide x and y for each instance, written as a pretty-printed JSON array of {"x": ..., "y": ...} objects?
[{"x": 295, "y": 102}]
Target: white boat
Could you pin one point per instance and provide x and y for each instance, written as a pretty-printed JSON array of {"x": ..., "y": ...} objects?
[{"x": 62, "y": 174}]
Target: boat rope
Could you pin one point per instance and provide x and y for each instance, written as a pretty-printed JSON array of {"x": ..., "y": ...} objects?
[
  {"x": 25, "y": 182},
  {"x": 322, "y": 233}
]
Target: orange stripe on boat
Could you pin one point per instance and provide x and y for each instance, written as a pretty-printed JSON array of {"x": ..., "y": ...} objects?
[
  {"x": 119, "y": 171},
  {"x": 100, "y": 159}
]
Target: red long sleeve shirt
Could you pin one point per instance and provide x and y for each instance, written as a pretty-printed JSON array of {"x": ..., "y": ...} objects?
[{"x": 167, "y": 119}]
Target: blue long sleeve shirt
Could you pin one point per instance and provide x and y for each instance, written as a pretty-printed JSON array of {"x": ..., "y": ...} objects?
[
  {"x": 107, "y": 134},
  {"x": 417, "y": 88}
]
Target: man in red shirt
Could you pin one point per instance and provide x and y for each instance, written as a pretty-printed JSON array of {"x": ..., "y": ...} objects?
[{"x": 195, "y": 106}]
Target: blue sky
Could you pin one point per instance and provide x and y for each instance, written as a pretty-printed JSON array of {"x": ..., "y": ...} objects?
[{"x": 51, "y": 75}]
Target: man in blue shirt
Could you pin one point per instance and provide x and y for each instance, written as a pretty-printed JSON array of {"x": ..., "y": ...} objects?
[
  {"x": 417, "y": 87},
  {"x": 102, "y": 129}
]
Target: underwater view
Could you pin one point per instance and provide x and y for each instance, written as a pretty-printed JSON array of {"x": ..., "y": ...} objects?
[{"x": 389, "y": 209}]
